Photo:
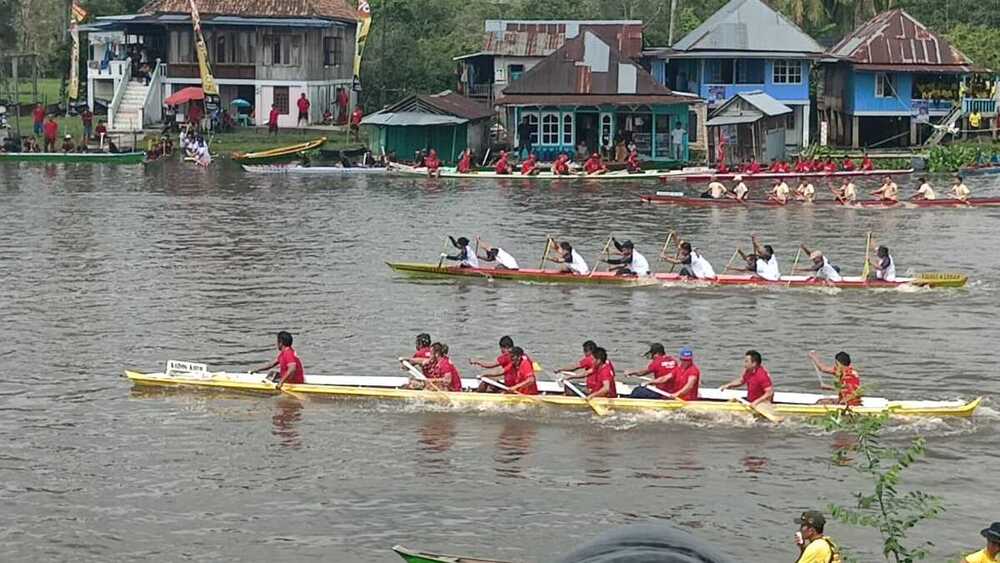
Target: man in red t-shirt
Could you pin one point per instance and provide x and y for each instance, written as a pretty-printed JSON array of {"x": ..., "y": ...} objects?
[
  {"x": 38, "y": 117},
  {"x": 51, "y": 131},
  {"x": 524, "y": 371},
  {"x": 422, "y": 355},
  {"x": 661, "y": 367},
  {"x": 443, "y": 375},
  {"x": 586, "y": 364},
  {"x": 356, "y": 117},
  {"x": 433, "y": 164},
  {"x": 755, "y": 377},
  {"x": 848, "y": 385},
  {"x": 504, "y": 364},
  {"x": 594, "y": 165},
  {"x": 303, "y": 104},
  {"x": 272, "y": 120},
  {"x": 343, "y": 98},
  {"x": 288, "y": 363},
  {"x": 687, "y": 377},
  {"x": 601, "y": 379}
]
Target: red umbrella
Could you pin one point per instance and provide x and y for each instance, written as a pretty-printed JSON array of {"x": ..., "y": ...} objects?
[{"x": 184, "y": 96}]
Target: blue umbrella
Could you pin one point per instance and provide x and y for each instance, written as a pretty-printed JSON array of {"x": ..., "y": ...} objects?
[{"x": 240, "y": 103}]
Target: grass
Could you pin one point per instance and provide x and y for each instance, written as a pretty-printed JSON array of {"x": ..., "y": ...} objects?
[
  {"x": 70, "y": 125},
  {"x": 48, "y": 91},
  {"x": 257, "y": 139}
]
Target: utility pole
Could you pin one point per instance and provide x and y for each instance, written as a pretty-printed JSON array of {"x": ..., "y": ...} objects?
[{"x": 673, "y": 14}]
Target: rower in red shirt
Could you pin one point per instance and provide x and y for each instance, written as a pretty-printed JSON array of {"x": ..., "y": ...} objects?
[
  {"x": 524, "y": 370},
  {"x": 802, "y": 166},
  {"x": 433, "y": 164},
  {"x": 848, "y": 386},
  {"x": 504, "y": 366},
  {"x": 775, "y": 166},
  {"x": 830, "y": 165},
  {"x": 530, "y": 166},
  {"x": 722, "y": 168},
  {"x": 687, "y": 377},
  {"x": 755, "y": 377},
  {"x": 867, "y": 164},
  {"x": 503, "y": 164},
  {"x": 444, "y": 375},
  {"x": 465, "y": 163},
  {"x": 661, "y": 367},
  {"x": 288, "y": 363},
  {"x": 849, "y": 165},
  {"x": 594, "y": 165},
  {"x": 632, "y": 163},
  {"x": 422, "y": 356},
  {"x": 561, "y": 166},
  {"x": 601, "y": 380},
  {"x": 585, "y": 364},
  {"x": 753, "y": 167}
]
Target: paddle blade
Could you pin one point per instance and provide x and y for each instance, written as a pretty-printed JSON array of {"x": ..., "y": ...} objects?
[{"x": 939, "y": 279}]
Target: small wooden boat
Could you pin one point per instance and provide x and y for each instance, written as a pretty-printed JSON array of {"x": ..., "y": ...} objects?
[
  {"x": 414, "y": 556},
  {"x": 705, "y": 176},
  {"x": 980, "y": 169},
  {"x": 299, "y": 169},
  {"x": 417, "y": 270},
  {"x": 710, "y": 400},
  {"x": 280, "y": 154},
  {"x": 75, "y": 157},
  {"x": 679, "y": 199},
  {"x": 451, "y": 172}
]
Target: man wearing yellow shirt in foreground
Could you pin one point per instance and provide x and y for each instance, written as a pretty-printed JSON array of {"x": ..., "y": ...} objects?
[
  {"x": 816, "y": 548},
  {"x": 992, "y": 552}
]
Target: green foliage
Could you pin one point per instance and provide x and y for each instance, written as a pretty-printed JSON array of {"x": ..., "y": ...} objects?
[
  {"x": 979, "y": 42},
  {"x": 887, "y": 508},
  {"x": 949, "y": 158}
]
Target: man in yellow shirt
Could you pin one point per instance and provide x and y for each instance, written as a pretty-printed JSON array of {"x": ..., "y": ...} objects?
[
  {"x": 816, "y": 548},
  {"x": 992, "y": 552}
]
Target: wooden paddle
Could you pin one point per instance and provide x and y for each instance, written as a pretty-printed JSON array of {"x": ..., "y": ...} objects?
[
  {"x": 419, "y": 376},
  {"x": 761, "y": 411},
  {"x": 545, "y": 255},
  {"x": 603, "y": 253},
  {"x": 502, "y": 387},
  {"x": 795, "y": 264},
  {"x": 677, "y": 242},
  {"x": 444, "y": 249},
  {"x": 663, "y": 393},
  {"x": 598, "y": 409},
  {"x": 666, "y": 245},
  {"x": 868, "y": 249}
]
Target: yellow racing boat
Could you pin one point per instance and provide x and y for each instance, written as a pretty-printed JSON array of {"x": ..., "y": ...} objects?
[
  {"x": 280, "y": 154},
  {"x": 196, "y": 375}
]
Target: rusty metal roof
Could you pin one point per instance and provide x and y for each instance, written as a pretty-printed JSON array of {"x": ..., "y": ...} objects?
[
  {"x": 443, "y": 103},
  {"x": 895, "y": 40},
  {"x": 334, "y": 9},
  {"x": 542, "y": 38}
]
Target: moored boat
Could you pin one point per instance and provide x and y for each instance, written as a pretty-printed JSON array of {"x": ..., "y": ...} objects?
[
  {"x": 707, "y": 176},
  {"x": 299, "y": 169},
  {"x": 417, "y": 270},
  {"x": 415, "y": 556},
  {"x": 679, "y": 199},
  {"x": 450, "y": 172},
  {"x": 75, "y": 157},
  {"x": 280, "y": 154},
  {"x": 194, "y": 375}
]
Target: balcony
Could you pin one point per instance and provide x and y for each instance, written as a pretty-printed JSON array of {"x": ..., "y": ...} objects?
[
  {"x": 987, "y": 107},
  {"x": 483, "y": 90},
  {"x": 231, "y": 71},
  {"x": 105, "y": 70}
]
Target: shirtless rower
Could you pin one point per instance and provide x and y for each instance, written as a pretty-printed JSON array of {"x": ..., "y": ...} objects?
[
  {"x": 889, "y": 192},
  {"x": 496, "y": 254},
  {"x": 883, "y": 263},
  {"x": 740, "y": 191},
  {"x": 848, "y": 385},
  {"x": 694, "y": 265},
  {"x": 924, "y": 192},
  {"x": 631, "y": 263},
  {"x": 716, "y": 190},
  {"x": 780, "y": 192},
  {"x": 767, "y": 263},
  {"x": 847, "y": 194},
  {"x": 960, "y": 191},
  {"x": 805, "y": 192},
  {"x": 503, "y": 364},
  {"x": 756, "y": 378},
  {"x": 821, "y": 268},
  {"x": 466, "y": 256},
  {"x": 572, "y": 262}
]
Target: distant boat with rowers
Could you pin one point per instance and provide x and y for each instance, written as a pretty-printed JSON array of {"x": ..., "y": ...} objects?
[
  {"x": 707, "y": 174},
  {"x": 136, "y": 157},
  {"x": 418, "y": 270},
  {"x": 679, "y": 199},
  {"x": 299, "y": 169},
  {"x": 198, "y": 376},
  {"x": 614, "y": 176}
]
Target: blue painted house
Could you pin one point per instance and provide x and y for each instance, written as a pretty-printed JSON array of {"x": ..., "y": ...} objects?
[
  {"x": 892, "y": 78},
  {"x": 744, "y": 47},
  {"x": 586, "y": 97}
]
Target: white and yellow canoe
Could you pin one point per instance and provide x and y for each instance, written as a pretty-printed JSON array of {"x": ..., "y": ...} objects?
[{"x": 195, "y": 375}]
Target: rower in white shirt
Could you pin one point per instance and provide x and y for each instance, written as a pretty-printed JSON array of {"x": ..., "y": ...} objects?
[
  {"x": 925, "y": 192},
  {"x": 889, "y": 192},
  {"x": 570, "y": 259},
  {"x": 496, "y": 254},
  {"x": 805, "y": 192},
  {"x": 780, "y": 192},
  {"x": 767, "y": 263},
  {"x": 693, "y": 264},
  {"x": 716, "y": 190},
  {"x": 959, "y": 190},
  {"x": 847, "y": 194},
  {"x": 884, "y": 264},
  {"x": 466, "y": 256},
  {"x": 821, "y": 268},
  {"x": 631, "y": 262},
  {"x": 740, "y": 191}
]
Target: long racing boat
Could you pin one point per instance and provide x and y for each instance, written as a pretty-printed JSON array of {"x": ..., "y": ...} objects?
[
  {"x": 451, "y": 172},
  {"x": 705, "y": 176},
  {"x": 136, "y": 157},
  {"x": 299, "y": 169},
  {"x": 195, "y": 375},
  {"x": 679, "y": 199},
  {"x": 280, "y": 154},
  {"x": 414, "y": 556},
  {"x": 416, "y": 270}
]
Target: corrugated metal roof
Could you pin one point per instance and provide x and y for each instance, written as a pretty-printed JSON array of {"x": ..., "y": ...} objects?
[
  {"x": 118, "y": 22},
  {"x": 593, "y": 100},
  {"x": 444, "y": 103},
  {"x": 731, "y": 120},
  {"x": 765, "y": 103},
  {"x": 895, "y": 40},
  {"x": 543, "y": 37},
  {"x": 747, "y": 107},
  {"x": 335, "y": 9},
  {"x": 748, "y": 25},
  {"x": 410, "y": 119}
]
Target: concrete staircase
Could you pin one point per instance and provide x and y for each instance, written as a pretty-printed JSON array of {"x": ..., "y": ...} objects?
[{"x": 128, "y": 119}]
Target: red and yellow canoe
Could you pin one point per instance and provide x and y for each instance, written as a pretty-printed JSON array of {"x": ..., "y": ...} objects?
[
  {"x": 674, "y": 198},
  {"x": 937, "y": 280},
  {"x": 705, "y": 176}
]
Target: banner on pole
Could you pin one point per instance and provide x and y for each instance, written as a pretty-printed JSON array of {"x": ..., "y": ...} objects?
[{"x": 364, "y": 26}]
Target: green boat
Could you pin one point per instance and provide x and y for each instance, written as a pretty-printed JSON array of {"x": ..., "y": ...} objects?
[
  {"x": 412, "y": 556},
  {"x": 75, "y": 157}
]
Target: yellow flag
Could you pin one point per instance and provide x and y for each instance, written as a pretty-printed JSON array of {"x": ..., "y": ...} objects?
[
  {"x": 207, "y": 80},
  {"x": 77, "y": 15},
  {"x": 364, "y": 25}
]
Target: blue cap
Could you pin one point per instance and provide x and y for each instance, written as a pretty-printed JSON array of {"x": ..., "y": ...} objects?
[{"x": 686, "y": 353}]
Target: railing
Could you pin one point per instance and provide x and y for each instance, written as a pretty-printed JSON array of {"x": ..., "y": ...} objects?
[
  {"x": 484, "y": 90},
  {"x": 120, "y": 87},
  {"x": 152, "y": 106},
  {"x": 230, "y": 71},
  {"x": 984, "y": 106}
]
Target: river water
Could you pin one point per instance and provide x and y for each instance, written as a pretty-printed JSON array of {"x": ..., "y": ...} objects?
[{"x": 107, "y": 268}]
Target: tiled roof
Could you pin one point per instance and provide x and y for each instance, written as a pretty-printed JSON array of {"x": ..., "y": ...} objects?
[
  {"x": 895, "y": 39},
  {"x": 333, "y": 9}
]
